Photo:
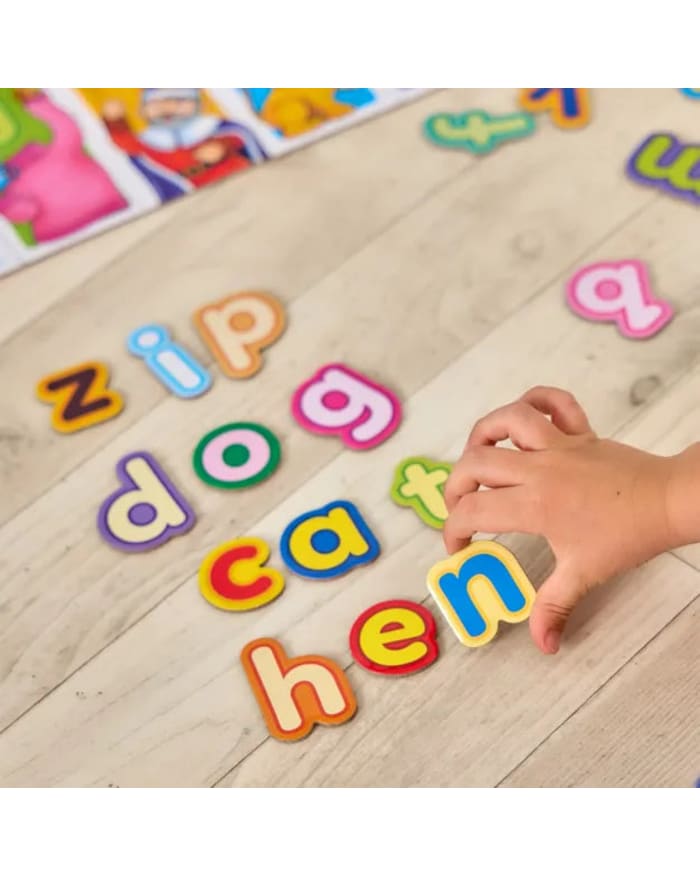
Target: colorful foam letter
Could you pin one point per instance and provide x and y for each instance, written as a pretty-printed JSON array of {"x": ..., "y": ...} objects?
[
  {"x": 663, "y": 162},
  {"x": 418, "y": 483},
  {"x": 691, "y": 92},
  {"x": 394, "y": 637},
  {"x": 338, "y": 400},
  {"x": 80, "y": 397},
  {"x": 238, "y": 327},
  {"x": 174, "y": 366},
  {"x": 236, "y": 455},
  {"x": 477, "y": 131},
  {"x": 568, "y": 107},
  {"x": 328, "y": 542},
  {"x": 620, "y": 292},
  {"x": 295, "y": 694},
  {"x": 479, "y": 586},
  {"x": 233, "y": 577},
  {"x": 147, "y": 511}
]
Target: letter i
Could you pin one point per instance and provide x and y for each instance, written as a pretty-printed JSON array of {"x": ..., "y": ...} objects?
[{"x": 174, "y": 366}]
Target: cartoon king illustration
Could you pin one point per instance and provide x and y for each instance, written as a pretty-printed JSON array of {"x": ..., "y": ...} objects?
[{"x": 180, "y": 142}]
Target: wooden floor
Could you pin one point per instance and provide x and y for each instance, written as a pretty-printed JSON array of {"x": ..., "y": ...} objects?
[{"x": 441, "y": 275}]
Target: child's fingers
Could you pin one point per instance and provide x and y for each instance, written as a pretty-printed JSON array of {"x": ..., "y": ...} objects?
[
  {"x": 489, "y": 510},
  {"x": 483, "y": 466},
  {"x": 567, "y": 414},
  {"x": 556, "y": 599},
  {"x": 526, "y": 427}
]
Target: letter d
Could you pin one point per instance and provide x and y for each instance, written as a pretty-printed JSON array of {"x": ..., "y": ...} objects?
[{"x": 147, "y": 511}]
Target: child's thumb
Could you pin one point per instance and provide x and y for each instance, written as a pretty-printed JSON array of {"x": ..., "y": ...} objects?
[{"x": 556, "y": 599}]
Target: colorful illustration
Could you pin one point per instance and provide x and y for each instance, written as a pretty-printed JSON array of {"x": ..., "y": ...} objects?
[
  {"x": 663, "y": 162},
  {"x": 176, "y": 137},
  {"x": 295, "y": 694},
  {"x": 74, "y": 162},
  {"x": 80, "y": 397},
  {"x": 394, "y": 637},
  {"x": 477, "y": 131},
  {"x": 340, "y": 401},
  {"x": 50, "y": 186},
  {"x": 619, "y": 291},
  {"x": 479, "y": 586},
  {"x": 569, "y": 108},
  {"x": 237, "y": 328},
  {"x": 234, "y": 577},
  {"x": 294, "y": 111}
]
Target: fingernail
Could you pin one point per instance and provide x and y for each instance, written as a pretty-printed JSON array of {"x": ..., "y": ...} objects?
[{"x": 551, "y": 641}]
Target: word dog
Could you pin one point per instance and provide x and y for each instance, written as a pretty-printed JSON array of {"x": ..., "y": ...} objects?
[{"x": 146, "y": 509}]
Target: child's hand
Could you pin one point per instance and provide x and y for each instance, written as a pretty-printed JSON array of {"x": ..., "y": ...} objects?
[{"x": 604, "y": 507}]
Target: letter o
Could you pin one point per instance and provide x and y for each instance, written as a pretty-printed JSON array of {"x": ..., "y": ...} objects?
[{"x": 236, "y": 455}]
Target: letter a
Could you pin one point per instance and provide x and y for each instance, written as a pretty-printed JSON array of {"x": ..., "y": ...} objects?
[
  {"x": 295, "y": 694},
  {"x": 328, "y": 542},
  {"x": 619, "y": 291},
  {"x": 147, "y": 511}
]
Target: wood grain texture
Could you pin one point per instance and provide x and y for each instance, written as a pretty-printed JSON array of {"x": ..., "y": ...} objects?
[
  {"x": 641, "y": 730},
  {"x": 29, "y": 292},
  {"x": 436, "y": 273},
  {"x": 494, "y": 240},
  {"x": 467, "y": 720},
  {"x": 298, "y": 223}
]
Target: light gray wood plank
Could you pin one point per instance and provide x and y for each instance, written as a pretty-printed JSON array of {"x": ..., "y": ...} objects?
[
  {"x": 642, "y": 729},
  {"x": 425, "y": 295},
  {"x": 453, "y": 291}
]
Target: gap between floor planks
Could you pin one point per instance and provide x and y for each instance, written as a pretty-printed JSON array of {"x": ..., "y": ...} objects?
[
  {"x": 579, "y": 327},
  {"x": 569, "y": 771},
  {"x": 26, "y": 288},
  {"x": 580, "y": 253},
  {"x": 632, "y": 194},
  {"x": 629, "y": 432},
  {"x": 543, "y": 289},
  {"x": 170, "y": 291}
]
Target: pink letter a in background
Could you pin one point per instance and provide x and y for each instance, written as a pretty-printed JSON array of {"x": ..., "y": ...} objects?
[{"x": 619, "y": 291}]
